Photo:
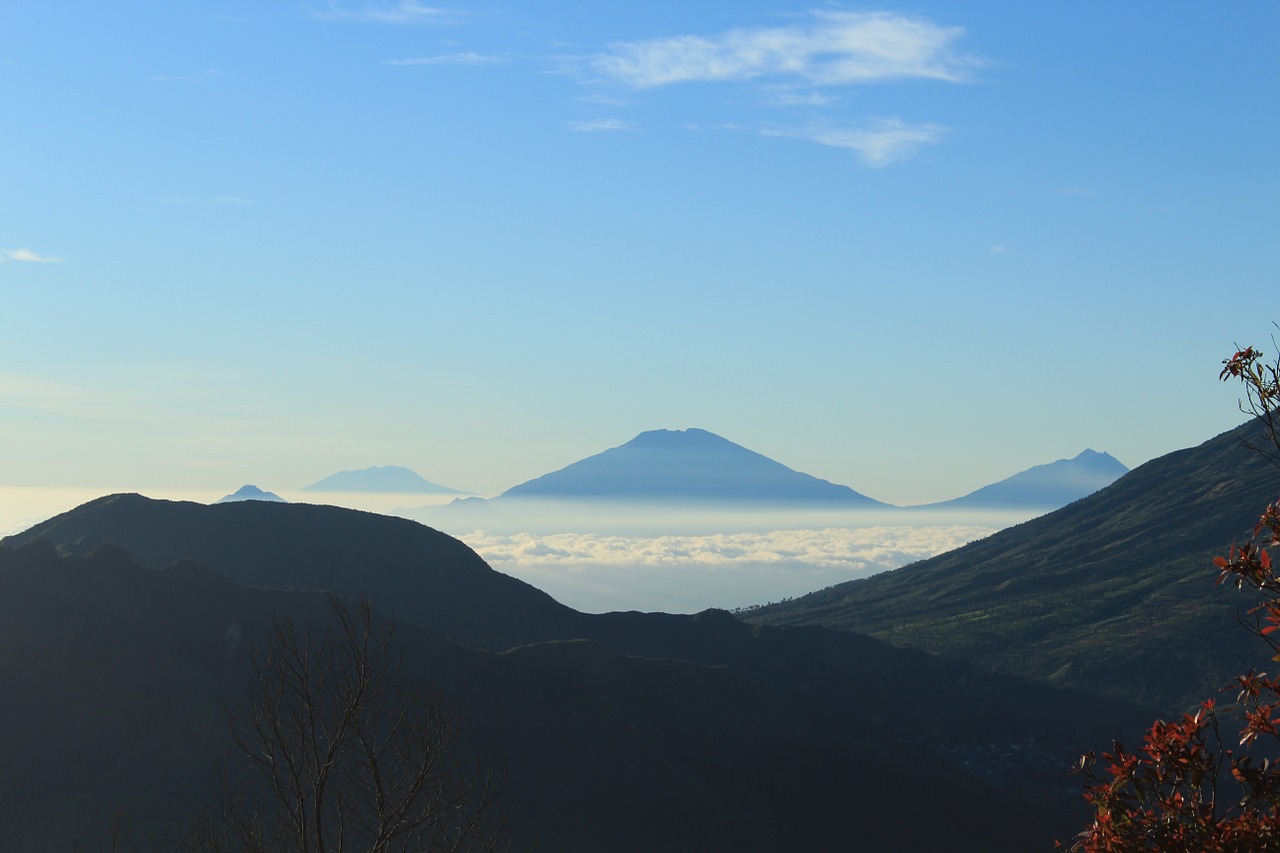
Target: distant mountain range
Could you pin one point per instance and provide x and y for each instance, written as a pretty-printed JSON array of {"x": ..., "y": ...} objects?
[
  {"x": 1050, "y": 486},
  {"x": 685, "y": 465},
  {"x": 385, "y": 478},
  {"x": 696, "y": 469},
  {"x": 249, "y": 493}
]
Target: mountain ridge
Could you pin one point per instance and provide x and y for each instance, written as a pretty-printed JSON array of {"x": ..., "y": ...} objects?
[{"x": 1113, "y": 593}]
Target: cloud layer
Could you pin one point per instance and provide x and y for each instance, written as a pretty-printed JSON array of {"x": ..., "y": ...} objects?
[
  {"x": 686, "y": 574},
  {"x": 857, "y": 549}
]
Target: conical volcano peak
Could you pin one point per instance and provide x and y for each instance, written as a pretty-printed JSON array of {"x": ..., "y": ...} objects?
[
  {"x": 686, "y": 465},
  {"x": 679, "y": 439}
]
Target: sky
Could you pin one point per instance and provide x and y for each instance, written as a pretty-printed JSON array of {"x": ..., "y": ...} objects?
[{"x": 911, "y": 249}]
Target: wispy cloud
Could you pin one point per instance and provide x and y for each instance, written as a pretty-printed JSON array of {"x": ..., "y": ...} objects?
[
  {"x": 602, "y": 125},
  {"x": 402, "y": 12},
  {"x": 209, "y": 201},
  {"x": 878, "y": 143},
  {"x": 788, "y": 98},
  {"x": 28, "y": 255},
  {"x": 464, "y": 58},
  {"x": 835, "y": 49},
  {"x": 1000, "y": 250},
  {"x": 857, "y": 549}
]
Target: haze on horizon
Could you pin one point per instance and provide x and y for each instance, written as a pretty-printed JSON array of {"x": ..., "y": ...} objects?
[{"x": 911, "y": 250}]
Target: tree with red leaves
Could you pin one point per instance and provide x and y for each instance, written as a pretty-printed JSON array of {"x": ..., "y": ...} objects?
[{"x": 1191, "y": 788}]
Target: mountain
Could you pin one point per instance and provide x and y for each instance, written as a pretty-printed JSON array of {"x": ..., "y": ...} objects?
[
  {"x": 1053, "y": 485},
  {"x": 386, "y": 478},
  {"x": 250, "y": 493},
  {"x": 1113, "y": 593},
  {"x": 621, "y": 731},
  {"x": 686, "y": 465},
  {"x": 422, "y": 575}
]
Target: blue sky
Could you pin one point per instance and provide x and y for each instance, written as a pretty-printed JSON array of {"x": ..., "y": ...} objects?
[{"x": 912, "y": 249}]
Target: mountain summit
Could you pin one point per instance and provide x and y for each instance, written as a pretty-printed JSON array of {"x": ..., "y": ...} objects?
[
  {"x": 1053, "y": 485},
  {"x": 383, "y": 478},
  {"x": 686, "y": 465},
  {"x": 249, "y": 493}
]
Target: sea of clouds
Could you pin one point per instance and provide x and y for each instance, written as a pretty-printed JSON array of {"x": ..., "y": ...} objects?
[{"x": 687, "y": 573}]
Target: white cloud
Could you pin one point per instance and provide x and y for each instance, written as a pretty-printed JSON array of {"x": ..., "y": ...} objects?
[
  {"x": 859, "y": 549},
  {"x": 798, "y": 99},
  {"x": 878, "y": 143},
  {"x": 601, "y": 125},
  {"x": 464, "y": 58},
  {"x": 402, "y": 12},
  {"x": 836, "y": 49},
  {"x": 28, "y": 255},
  {"x": 1000, "y": 250}
]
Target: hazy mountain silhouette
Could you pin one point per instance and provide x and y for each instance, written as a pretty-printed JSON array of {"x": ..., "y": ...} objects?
[
  {"x": 686, "y": 465},
  {"x": 386, "y": 478},
  {"x": 1113, "y": 593},
  {"x": 250, "y": 493},
  {"x": 1051, "y": 486}
]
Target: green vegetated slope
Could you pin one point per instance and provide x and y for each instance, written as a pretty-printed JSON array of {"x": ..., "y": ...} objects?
[
  {"x": 1113, "y": 593},
  {"x": 623, "y": 732}
]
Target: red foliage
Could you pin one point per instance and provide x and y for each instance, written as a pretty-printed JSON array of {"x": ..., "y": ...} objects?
[{"x": 1187, "y": 790}]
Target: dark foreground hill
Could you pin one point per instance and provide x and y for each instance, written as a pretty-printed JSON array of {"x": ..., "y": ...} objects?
[
  {"x": 627, "y": 732},
  {"x": 422, "y": 575},
  {"x": 1113, "y": 593}
]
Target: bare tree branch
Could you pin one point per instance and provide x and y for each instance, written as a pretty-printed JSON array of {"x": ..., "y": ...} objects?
[{"x": 350, "y": 753}]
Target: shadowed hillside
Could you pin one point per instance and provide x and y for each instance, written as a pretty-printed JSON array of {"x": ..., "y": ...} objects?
[
  {"x": 1113, "y": 593},
  {"x": 623, "y": 731},
  {"x": 422, "y": 575},
  {"x": 118, "y": 676}
]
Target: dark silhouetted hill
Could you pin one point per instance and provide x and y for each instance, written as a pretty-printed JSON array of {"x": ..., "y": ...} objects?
[
  {"x": 420, "y": 574},
  {"x": 686, "y": 465},
  {"x": 117, "y": 677},
  {"x": 1113, "y": 593}
]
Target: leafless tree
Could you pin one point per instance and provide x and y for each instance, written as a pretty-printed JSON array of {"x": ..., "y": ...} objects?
[{"x": 351, "y": 754}]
